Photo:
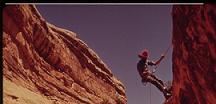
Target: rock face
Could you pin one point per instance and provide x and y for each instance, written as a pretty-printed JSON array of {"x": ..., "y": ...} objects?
[
  {"x": 194, "y": 54},
  {"x": 44, "y": 64}
]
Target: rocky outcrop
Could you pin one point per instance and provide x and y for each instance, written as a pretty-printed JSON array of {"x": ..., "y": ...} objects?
[
  {"x": 194, "y": 54},
  {"x": 44, "y": 64}
]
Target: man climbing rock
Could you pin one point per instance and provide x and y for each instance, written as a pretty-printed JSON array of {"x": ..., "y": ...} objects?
[{"x": 147, "y": 75}]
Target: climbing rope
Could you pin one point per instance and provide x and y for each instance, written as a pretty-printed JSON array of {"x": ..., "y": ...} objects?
[
  {"x": 154, "y": 69},
  {"x": 150, "y": 92},
  {"x": 167, "y": 50}
]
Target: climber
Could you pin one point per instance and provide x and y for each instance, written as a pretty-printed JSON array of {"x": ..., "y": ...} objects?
[{"x": 147, "y": 75}]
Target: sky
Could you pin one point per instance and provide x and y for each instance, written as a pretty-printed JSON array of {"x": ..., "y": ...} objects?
[{"x": 117, "y": 33}]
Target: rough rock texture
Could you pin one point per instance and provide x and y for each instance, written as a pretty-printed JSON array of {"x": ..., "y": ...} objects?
[
  {"x": 43, "y": 64},
  {"x": 194, "y": 54}
]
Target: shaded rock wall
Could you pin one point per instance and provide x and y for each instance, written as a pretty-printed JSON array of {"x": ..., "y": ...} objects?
[
  {"x": 194, "y": 54},
  {"x": 46, "y": 64}
]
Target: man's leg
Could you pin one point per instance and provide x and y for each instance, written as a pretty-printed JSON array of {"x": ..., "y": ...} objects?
[
  {"x": 160, "y": 81},
  {"x": 155, "y": 83},
  {"x": 147, "y": 76},
  {"x": 159, "y": 84}
]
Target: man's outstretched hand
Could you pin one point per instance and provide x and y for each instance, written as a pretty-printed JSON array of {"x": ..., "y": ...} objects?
[
  {"x": 157, "y": 62},
  {"x": 162, "y": 56}
]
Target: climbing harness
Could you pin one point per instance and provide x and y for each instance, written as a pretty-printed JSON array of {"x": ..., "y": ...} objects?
[{"x": 153, "y": 70}]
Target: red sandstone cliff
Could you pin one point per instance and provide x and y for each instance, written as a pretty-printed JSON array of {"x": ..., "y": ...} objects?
[
  {"x": 44, "y": 64},
  {"x": 194, "y": 54}
]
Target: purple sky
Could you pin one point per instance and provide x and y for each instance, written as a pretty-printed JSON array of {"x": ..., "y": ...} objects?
[{"x": 117, "y": 33}]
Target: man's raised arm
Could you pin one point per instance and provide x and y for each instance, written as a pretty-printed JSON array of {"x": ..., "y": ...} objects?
[{"x": 158, "y": 61}]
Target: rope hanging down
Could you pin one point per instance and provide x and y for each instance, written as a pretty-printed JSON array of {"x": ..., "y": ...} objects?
[
  {"x": 150, "y": 93},
  {"x": 156, "y": 68}
]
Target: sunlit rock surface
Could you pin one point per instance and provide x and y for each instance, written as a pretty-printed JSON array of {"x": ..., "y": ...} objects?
[{"x": 44, "y": 64}]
